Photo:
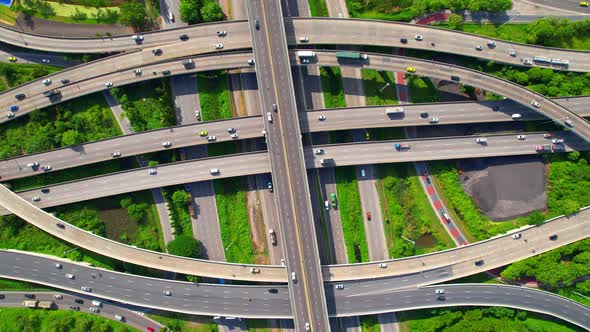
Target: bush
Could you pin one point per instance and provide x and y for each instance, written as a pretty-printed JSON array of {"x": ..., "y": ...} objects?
[
  {"x": 79, "y": 15},
  {"x": 185, "y": 246},
  {"x": 132, "y": 13},
  {"x": 211, "y": 11}
]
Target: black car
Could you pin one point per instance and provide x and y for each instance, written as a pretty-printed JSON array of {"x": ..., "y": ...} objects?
[
  {"x": 404, "y": 40},
  {"x": 479, "y": 262},
  {"x": 273, "y": 290},
  {"x": 20, "y": 96},
  {"x": 257, "y": 24},
  {"x": 424, "y": 115},
  {"x": 45, "y": 190},
  {"x": 2, "y": 296},
  {"x": 30, "y": 296},
  {"x": 440, "y": 297},
  {"x": 74, "y": 307},
  {"x": 553, "y": 237},
  {"x": 157, "y": 51},
  {"x": 79, "y": 301},
  {"x": 428, "y": 179},
  {"x": 183, "y": 37},
  {"x": 60, "y": 225},
  {"x": 166, "y": 72},
  {"x": 65, "y": 81}
]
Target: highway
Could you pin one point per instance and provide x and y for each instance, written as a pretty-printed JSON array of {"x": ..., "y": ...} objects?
[
  {"x": 376, "y": 296},
  {"x": 273, "y": 72}
]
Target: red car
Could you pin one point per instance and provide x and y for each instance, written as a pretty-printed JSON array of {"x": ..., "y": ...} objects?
[
  {"x": 369, "y": 216},
  {"x": 151, "y": 329}
]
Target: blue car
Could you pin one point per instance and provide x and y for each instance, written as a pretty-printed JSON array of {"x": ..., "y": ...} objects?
[{"x": 14, "y": 108}]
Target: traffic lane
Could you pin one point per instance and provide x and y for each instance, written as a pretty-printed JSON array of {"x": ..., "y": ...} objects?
[
  {"x": 107, "y": 310},
  {"x": 321, "y": 31},
  {"x": 56, "y": 60},
  {"x": 271, "y": 219},
  {"x": 466, "y": 295},
  {"x": 125, "y": 76},
  {"x": 128, "y": 145},
  {"x": 572, "y": 5},
  {"x": 208, "y": 299}
]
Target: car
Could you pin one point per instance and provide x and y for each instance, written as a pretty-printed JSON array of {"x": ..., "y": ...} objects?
[
  {"x": 95, "y": 310},
  {"x": 439, "y": 291},
  {"x": 269, "y": 186},
  {"x": 74, "y": 307},
  {"x": 547, "y": 135},
  {"x": 116, "y": 154},
  {"x": 157, "y": 51},
  {"x": 304, "y": 60},
  {"x": 568, "y": 122},
  {"x": 10, "y": 115},
  {"x": 419, "y": 37},
  {"x": 283, "y": 262},
  {"x": 303, "y": 39},
  {"x": 403, "y": 40},
  {"x": 440, "y": 297},
  {"x": 58, "y": 296},
  {"x": 47, "y": 168},
  {"x": 321, "y": 117},
  {"x": 65, "y": 81},
  {"x": 434, "y": 120},
  {"x": 513, "y": 53},
  {"x": 166, "y": 72},
  {"x": 137, "y": 38},
  {"x": 382, "y": 265},
  {"x": 70, "y": 276},
  {"x": 108, "y": 84},
  {"x": 428, "y": 179},
  {"x": 369, "y": 216},
  {"x": 269, "y": 117},
  {"x": 79, "y": 301},
  {"x": 234, "y": 135},
  {"x": 214, "y": 171},
  {"x": 221, "y": 33},
  {"x": 12, "y": 59},
  {"x": 481, "y": 140},
  {"x": 478, "y": 47},
  {"x": 45, "y": 190},
  {"x": 553, "y": 237},
  {"x": 30, "y": 296},
  {"x": 318, "y": 151},
  {"x": 171, "y": 16},
  {"x": 339, "y": 286},
  {"x": 211, "y": 138},
  {"x": 521, "y": 137},
  {"x": 273, "y": 290},
  {"x": 14, "y": 108},
  {"x": 557, "y": 141},
  {"x": 150, "y": 329},
  {"x": 183, "y": 37},
  {"x": 584, "y": 3},
  {"x": 257, "y": 24},
  {"x": 293, "y": 276},
  {"x": 516, "y": 236},
  {"x": 535, "y": 104},
  {"x": 491, "y": 44},
  {"x": 46, "y": 81},
  {"x": 231, "y": 130},
  {"x": 203, "y": 133},
  {"x": 410, "y": 69},
  {"x": 167, "y": 293},
  {"x": 137, "y": 72},
  {"x": 327, "y": 205},
  {"x": 251, "y": 62},
  {"x": 86, "y": 289},
  {"x": 516, "y": 116},
  {"x": 153, "y": 171},
  {"x": 424, "y": 115},
  {"x": 20, "y": 96},
  {"x": 45, "y": 60},
  {"x": 307, "y": 327},
  {"x": 167, "y": 144},
  {"x": 60, "y": 225},
  {"x": 479, "y": 262},
  {"x": 275, "y": 108},
  {"x": 527, "y": 62},
  {"x": 36, "y": 198},
  {"x": 218, "y": 46},
  {"x": 198, "y": 116},
  {"x": 254, "y": 270},
  {"x": 57, "y": 265}
]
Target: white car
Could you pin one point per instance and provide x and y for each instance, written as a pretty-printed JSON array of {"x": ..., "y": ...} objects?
[
  {"x": 70, "y": 276},
  {"x": 231, "y": 130},
  {"x": 513, "y": 53},
  {"x": 234, "y": 135},
  {"x": 137, "y": 37},
  {"x": 340, "y": 286},
  {"x": 86, "y": 289},
  {"x": 46, "y": 81},
  {"x": 137, "y": 71},
  {"x": 327, "y": 205},
  {"x": 36, "y": 198},
  {"x": 222, "y": 33},
  {"x": 293, "y": 276},
  {"x": 57, "y": 265},
  {"x": 481, "y": 140},
  {"x": 10, "y": 115},
  {"x": 439, "y": 291},
  {"x": 116, "y": 154},
  {"x": 251, "y": 62},
  {"x": 218, "y": 46},
  {"x": 167, "y": 293},
  {"x": 58, "y": 296},
  {"x": 517, "y": 236},
  {"x": 95, "y": 310},
  {"x": 211, "y": 138},
  {"x": 521, "y": 137},
  {"x": 527, "y": 62},
  {"x": 198, "y": 115},
  {"x": 47, "y": 168},
  {"x": 153, "y": 171},
  {"x": 535, "y": 104},
  {"x": 307, "y": 327},
  {"x": 45, "y": 60},
  {"x": 304, "y": 39},
  {"x": 269, "y": 117},
  {"x": 321, "y": 117},
  {"x": 318, "y": 151},
  {"x": 167, "y": 144},
  {"x": 108, "y": 84},
  {"x": 383, "y": 265},
  {"x": 478, "y": 47},
  {"x": 434, "y": 120},
  {"x": 419, "y": 37}
]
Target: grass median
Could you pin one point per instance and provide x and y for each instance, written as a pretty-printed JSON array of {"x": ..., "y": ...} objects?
[
  {"x": 214, "y": 95},
  {"x": 24, "y": 319},
  {"x": 230, "y": 196},
  {"x": 331, "y": 78},
  {"x": 421, "y": 89},
  {"x": 379, "y": 87},
  {"x": 318, "y": 8},
  {"x": 351, "y": 216},
  {"x": 408, "y": 213}
]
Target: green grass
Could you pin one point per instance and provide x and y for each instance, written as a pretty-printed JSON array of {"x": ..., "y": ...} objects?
[
  {"x": 183, "y": 322},
  {"x": 481, "y": 319},
  {"x": 14, "y": 285},
  {"x": 370, "y": 323},
  {"x": 473, "y": 222},
  {"x": 179, "y": 212},
  {"x": 13, "y": 74},
  {"x": 349, "y": 204},
  {"x": 421, "y": 89},
  {"x": 20, "y": 319},
  {"x": 480, "y": 278},
  {"x": 568, "y": 183},
  {"x": 8, "y": 16},
  {"x": 214, "y": 95},
  {"x": 230, "y": 196},
  {"x": 64, "y": 9},
  {"x": 331, "y": 78},
  {"x": 318, "y": 8},
  {"x": 408, "y": 213},
  {"x": 257, "y": 325},
  {"x": 376, "y": 91}
]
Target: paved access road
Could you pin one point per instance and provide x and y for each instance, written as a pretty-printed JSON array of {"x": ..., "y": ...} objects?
[
  {"x": 374, "y": 296},
  {"x": 107, "y": 310}
]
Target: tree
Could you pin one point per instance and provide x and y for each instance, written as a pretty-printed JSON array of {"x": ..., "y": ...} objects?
[
  {"x": 573, "y": 156},
  {"x": 211, "y": 11},
  {"x": 132, "y": 14},
  {"x": 455, "y": 21},
  {"x": 180, "y": 198},
  {"x": 137, "y": 211},
  {"x": 185, "y": 246},
  {"x": 71, "y": 137},
  {"x": 189, "y": 11},
  {"x": 78, "y": 15},
  {"x": 153, "y": 163},
  {"x": 126, "y": 202}
]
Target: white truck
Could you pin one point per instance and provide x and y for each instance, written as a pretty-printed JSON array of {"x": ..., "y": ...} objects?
[{"x": 306, "y": 54}]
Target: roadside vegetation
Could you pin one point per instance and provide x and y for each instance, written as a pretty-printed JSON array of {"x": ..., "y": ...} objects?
[
  {"x": 331, "y": 78},
  {"x": 14, "y": 285},
  {"x": 200, "y": 11},
  {"x": 480, "y": 319},
  {"x": 408, "y": 213},
  {"x": 176, "y": 322},
  {"x": 178, "y": 206},
  {"x": 318, "y": 8},
  {"x": 406, "y": 10},
  {"x": 185, "y": 246},
  {"x": 13, "y": 74},
  {"x": 567, "y": 187},
  {"x": 379, "y": 87},
  {"x": 257, "y": 325},
  {"x": 349, "y": 204},
  {"x": 7, "y": 15},
  {"x": 370, "y": 323},
  {"x": 230, "y": 196},
  {"x": 385, "y": 134},
  {"x": 24, "y": 319},
  {"x": 147, "y": 105},
  {"x": 421, "y": 89},
  {"x": 96, "y": 11},
  {"x": 214, "y": 95}
]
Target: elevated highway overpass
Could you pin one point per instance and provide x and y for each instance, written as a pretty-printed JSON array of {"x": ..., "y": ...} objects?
[{"x": 356, "y": 298}]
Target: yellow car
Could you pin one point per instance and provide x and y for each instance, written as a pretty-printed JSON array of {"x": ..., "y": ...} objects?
[
  {"x": 12, "y": 59},
  {"x": 584, "y": 3},
  {"x": 411, "y": 70},
  {"x": 203, "y": 133}
]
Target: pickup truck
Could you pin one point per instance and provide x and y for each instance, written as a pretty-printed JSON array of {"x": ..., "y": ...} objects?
[{"x": 402, "y": 146}]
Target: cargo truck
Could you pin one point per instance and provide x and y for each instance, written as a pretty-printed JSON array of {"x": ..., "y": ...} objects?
[
  {"x": 558, "y": 147},
  {"x": 394, "y": 110},
  {"x": 46, "y": 304},
  {"x": 30, "y": 303},
  {"x": 351, "y": 55},
  {"x": 543, "y": 148},
  {"x": 305, "y": 54}
]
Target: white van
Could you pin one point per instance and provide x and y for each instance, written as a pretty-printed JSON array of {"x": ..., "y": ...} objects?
[
  {"x": 516, "y": 116},
  {"x": 214, "y": 171},
  {"x": 363, "y": 172},
  {"x": 171, "y": 16},
  {"x": 96, "y": 303},
  {"x": 120, "y": 318}
]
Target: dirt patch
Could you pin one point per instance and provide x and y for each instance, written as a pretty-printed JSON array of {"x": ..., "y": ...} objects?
[
  {"x": 505, "y": 187},
  {"x": 117, "y": 222},
  {"x": 256, "y": 223}
]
